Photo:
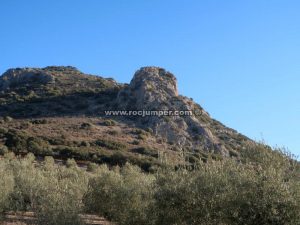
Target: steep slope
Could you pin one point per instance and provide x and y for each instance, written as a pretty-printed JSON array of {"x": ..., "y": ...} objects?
[{"x": 61, "y": 111}]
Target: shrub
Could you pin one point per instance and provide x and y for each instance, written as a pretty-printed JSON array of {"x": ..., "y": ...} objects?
[
  {"x": 39, "y": 121},
  {"x": 53, "y": 193},
  {"x": 73, "y": 152},
  {"x": 135, "y": 142},
  {"x": 129, "y": 187},
  {"x": 113, "y": 132},
  {"x": 60, "y": 203},
  {"x": 38, "y": 146},
  {"x": 109, "y": 123},
  {"x": 118, "y": 159},
  {"x": 3, "y": 131},
  {"x": 85, "y": 144},
  {"x": 191, "y": 197},
  {"x": 71, "y": 163},
  {"x": 149, "y": 130},
  {"x": 146, "y": 151},
  {"x": 142, "y": 137},
  {"x": 86, "y": 126},
  {"x": 8, "y": 119},
  {"x": 110, "y": 144},
  {"x": 3, "y": 149},
  {"x": 49, "y": 162},
  {"x": 6, "y": 188},
  {"x": 264, "y": 197},
  {"x": 16, "y": 141},
  {"x": 92, "y": 167}
]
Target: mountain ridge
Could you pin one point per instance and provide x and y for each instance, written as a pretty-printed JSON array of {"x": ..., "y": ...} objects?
[{"x": 63, "y": 91}]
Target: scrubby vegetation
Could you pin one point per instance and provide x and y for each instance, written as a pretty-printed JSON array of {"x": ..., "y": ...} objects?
[{"x": 264, "y": 188}]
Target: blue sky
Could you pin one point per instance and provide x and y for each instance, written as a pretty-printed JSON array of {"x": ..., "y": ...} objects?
[{"x": 239, "y": 59}]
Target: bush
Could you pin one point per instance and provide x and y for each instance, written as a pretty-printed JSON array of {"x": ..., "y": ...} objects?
[
  {"x": 135, "y": 142},
  {"x": 16, "y": 141},
  {"x": 38, "y": 146},
  {"x": 8, "y": 119},
  {"x": 192, "y": 197},
  {"x": 146, "y": 151},
  {"x": 6, "y": 188},
  {"x": 266, "y": 196},
  {"x": 71, "y": 163},
  {"x": 3, "y": 149},
  {"x": 130, "y": 187},
  {"x": 109, "y": 123},
  {"x": 53, "y": 193},
  {"x": 113, "y": 132},
  {"x": 61, "y": 202},
  {"x": 39, "y": 121},
  {"x": 142, "y": 137},
  {"x": 86, "y": 126},
  {"x": 92, "y": 167},
  {"x": 110, "y": 144},
  {"x": 85, "y": 144}
]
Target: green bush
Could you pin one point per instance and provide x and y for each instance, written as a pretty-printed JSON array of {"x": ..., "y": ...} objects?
[
  {"x": 146, "y": 151},
  {"x": 92, "y": 167},
  {"x": 8, "y": 119},
  {"x": 129, "y": 187},
  {"x": 197, "y": 197},
  {"x": 53, "y": 193},
  {"x": 109, "y": 122},
  {"x": 3, "y": 149},
  {"x": 39, "y": 121},
  {"x": 38, "y": 146},
  {"x": 6, "y": 188},
  {"x": 86, "y": 126},
  {"x": 16, "y": 141},
  {"x": 60, "y": 203},
  {"x": 113, "y": 145}
]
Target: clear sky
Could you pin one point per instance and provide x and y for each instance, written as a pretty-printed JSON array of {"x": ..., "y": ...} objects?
[{"x": 239, "y": 59}]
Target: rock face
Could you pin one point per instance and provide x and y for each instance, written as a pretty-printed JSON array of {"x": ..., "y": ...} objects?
[
  {"x": 148, "y": 79},
  {"x": 150, "y": 86},
  {"x": 154, "y": 88},
  {"x": 15, "y": 77}
]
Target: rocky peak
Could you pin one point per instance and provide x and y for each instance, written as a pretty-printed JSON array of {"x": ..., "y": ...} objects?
[
  {"x": 149, "y": 87},
  {"x": 154, "y": 78}
]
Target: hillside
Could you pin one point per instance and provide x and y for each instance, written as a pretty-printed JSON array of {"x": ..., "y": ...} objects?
[
  {"x": 62, "y": 112},
  {"x": 94, "y": 160}
]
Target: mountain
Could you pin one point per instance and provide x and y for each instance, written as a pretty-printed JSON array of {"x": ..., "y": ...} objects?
[{"x": 63, "y": 112}]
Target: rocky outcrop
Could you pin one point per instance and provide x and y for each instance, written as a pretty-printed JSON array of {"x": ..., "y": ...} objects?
[
  {"x": 15, "y": 77},
  {"x": 155, "y": 89}
]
